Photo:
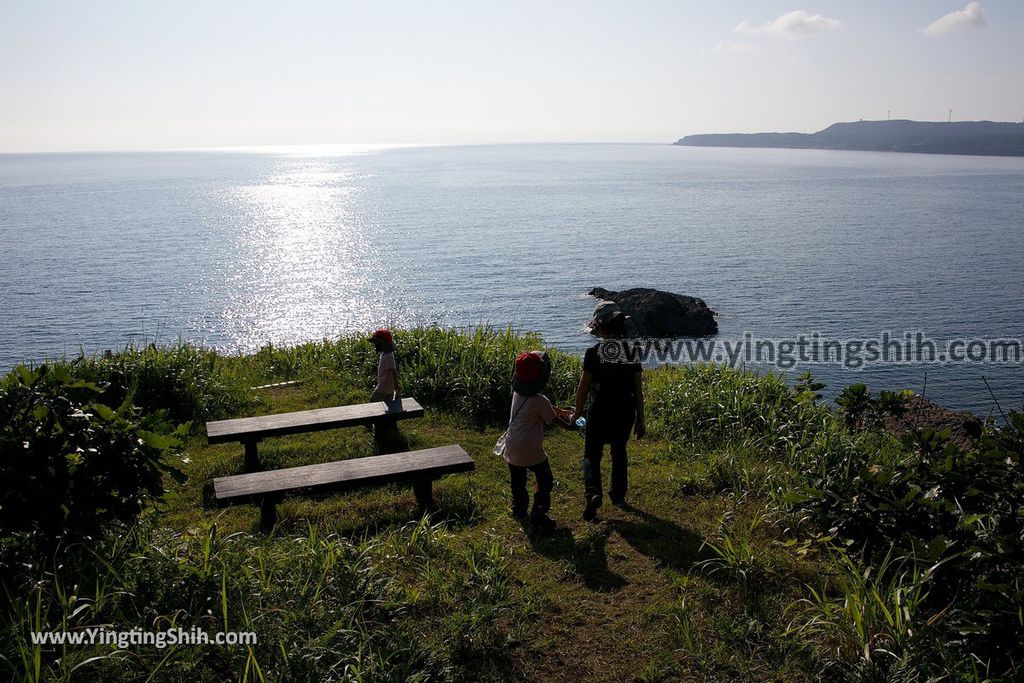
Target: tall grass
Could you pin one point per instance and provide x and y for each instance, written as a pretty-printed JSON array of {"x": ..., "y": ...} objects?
[
  {"x": 469, "y": 372},
  {"x": 871, "y": 623},
  {"x": 710, "y": 406},
  {"x": 466, "y": 371},
  {"x": 183, "y": 379},
  {"x": 414, "y": 603}
]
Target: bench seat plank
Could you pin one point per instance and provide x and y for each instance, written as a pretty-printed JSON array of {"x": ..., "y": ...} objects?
[
  {"x": 427, "y": 464},
  {"x": 263, "y": 426}
]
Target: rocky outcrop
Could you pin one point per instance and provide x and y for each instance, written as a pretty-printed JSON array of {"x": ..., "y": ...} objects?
[
  {"x": 661, "y": 314},
  {"x": 920, "y": 414}
]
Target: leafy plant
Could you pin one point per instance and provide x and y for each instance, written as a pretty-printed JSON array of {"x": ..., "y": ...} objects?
[
  {"x": 70, "y": 464},
  {"x": 926, "y": 497},
  {"x": 734, "y": 555},
  {"x": 862, "y": 410}
]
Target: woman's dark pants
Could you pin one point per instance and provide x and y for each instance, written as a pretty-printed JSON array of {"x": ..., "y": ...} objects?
[
  {"x": 593, "y": 451},
  {"x": 541, "y": 497}
]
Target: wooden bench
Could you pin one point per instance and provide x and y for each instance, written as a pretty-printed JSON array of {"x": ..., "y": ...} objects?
[
  {"x": 251, "y": 430},
  {"x": 419, "y": 467}
]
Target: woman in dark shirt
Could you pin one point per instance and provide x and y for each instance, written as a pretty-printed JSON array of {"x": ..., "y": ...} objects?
[{"x": 617, "y": 408}]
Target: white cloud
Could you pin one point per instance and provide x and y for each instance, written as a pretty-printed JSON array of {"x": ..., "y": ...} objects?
[
  {"x": 732, "y": 47},
  {"x": 958, "y": 19},
  {"x": 795, "y": 24}
]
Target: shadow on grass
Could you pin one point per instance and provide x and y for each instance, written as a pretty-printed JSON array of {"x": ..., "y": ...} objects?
[
  {"x": 367, "y": 511},
  {"x": 660, "y": 539},
  {"x": 587, "y": 556}
]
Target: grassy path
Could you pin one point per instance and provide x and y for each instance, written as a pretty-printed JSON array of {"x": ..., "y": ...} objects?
[{"x": 614, "y": 600}]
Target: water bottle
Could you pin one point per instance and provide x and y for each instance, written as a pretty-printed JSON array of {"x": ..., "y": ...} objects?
[
  {"x": 499, "y": 445},
  {"x": 581, "y": 424}
]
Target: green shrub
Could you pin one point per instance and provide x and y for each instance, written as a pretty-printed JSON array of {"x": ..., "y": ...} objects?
[
  {"x": 182, "y": 379},
  {"x": 69, "y": 463},
  {"x": 860, "y": 409},
  {"x": 926, "y": 497}
]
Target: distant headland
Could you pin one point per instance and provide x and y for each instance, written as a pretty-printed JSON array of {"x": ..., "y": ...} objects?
[{"x": 989, "y": 138}]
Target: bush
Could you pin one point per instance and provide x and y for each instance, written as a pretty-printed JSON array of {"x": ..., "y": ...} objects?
[
  {"x": 181, "y": 379},
  {"x": 70, "y": 464},
  {"x": 923, "y": 496}
]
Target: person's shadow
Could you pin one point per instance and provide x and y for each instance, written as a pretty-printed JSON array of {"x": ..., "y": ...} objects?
[
  {"x": 587, "y": 556},
  {"x": 660, "y": 539}
]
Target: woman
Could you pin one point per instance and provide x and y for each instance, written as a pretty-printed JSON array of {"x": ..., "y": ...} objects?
[{"x": 617, "y": 407}]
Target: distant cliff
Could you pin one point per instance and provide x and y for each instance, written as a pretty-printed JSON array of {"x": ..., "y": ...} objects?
[{"x": 989, "y": 138}]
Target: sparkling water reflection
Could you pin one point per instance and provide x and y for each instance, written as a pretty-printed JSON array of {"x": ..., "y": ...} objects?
[{"x": 239, "y": 248}]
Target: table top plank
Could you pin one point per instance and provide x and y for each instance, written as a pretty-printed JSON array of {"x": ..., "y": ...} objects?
[
  {"x": 430, "y": 463},
  {"x": 281, "y": 424}
]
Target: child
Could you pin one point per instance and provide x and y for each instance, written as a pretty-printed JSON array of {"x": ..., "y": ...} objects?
[
  {"x": 386, "y": 437},
  {"x": 387, "y": 370},
  {"x": 524, "y": 439}
]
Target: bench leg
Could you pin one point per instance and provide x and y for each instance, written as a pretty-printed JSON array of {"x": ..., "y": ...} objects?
[
  {"x": 387, "y": 438},
  {"x": 252, "y": 457},
  {"x": 268, "y": 514},
  {"x": 424, "y": 490}
]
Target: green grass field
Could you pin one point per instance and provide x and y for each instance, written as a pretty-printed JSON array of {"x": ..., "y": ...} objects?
[
  {"x": 615, "y": 600},
  {"x": 710, "y": 572}
]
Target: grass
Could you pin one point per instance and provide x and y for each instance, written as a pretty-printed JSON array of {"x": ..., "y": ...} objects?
[{"x": 703, "y": 575}]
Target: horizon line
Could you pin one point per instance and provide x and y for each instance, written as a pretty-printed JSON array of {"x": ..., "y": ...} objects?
[
  {"x": 377, "y": 146},
  {"x": 284, "y": 147}
]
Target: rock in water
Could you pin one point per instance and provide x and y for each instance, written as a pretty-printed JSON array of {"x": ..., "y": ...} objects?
[{"x": 662, "y": 314}]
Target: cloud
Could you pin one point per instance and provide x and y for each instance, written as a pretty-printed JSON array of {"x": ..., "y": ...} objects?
[
  {"x": 795, "y": 24},
  {"x": 732, "y": 47},
  {"x": 956, "y": 20}
]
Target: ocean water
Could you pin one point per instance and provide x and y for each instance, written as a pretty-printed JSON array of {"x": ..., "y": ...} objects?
[{"x": 237, "y": 248}]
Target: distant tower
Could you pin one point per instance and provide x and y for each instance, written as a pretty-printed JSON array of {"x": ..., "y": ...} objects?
[
  {"x": 950, "y": 119},
  {"x": 888, "y": 115}
]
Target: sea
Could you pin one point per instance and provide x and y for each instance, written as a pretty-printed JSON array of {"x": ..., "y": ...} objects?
[{"x": 238, "y": 248}]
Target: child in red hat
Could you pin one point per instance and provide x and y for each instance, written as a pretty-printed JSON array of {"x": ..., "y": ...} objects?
[{"x": 524, "y": 438}]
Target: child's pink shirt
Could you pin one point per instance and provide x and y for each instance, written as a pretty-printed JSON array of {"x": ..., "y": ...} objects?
[
  {"x": 524, "y": 443},
  {"x": 386, "y": 373}
]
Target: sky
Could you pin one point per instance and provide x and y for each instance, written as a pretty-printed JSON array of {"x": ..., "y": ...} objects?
[{"x": 148, "y": 74}]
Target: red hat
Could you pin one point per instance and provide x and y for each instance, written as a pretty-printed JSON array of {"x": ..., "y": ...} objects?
[
  {"x": 384, "y": 335},
  {"x": 529, "y": 365},
  {"x": 533, "y": 368}
]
